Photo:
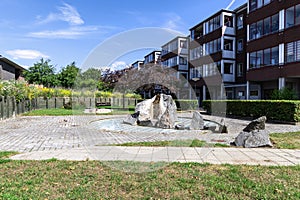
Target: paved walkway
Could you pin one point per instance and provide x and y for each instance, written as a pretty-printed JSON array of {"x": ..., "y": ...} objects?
[
  {"x": 262, "y": 156},
  {"x": 82, "y": 137}
]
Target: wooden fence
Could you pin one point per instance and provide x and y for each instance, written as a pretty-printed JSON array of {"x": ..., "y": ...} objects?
[{"x": 9, "y": 107}]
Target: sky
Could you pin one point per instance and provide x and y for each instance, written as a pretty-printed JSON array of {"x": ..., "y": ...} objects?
[{"x": 67, "y": 31}]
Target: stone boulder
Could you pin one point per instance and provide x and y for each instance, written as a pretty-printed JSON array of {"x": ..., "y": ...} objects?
[
  {"x": 253, "y": 139},
  {"x": 197, "y": 122},
  {"x": 131, "y": 119},
  {"x": 257, "y": 124},
  {"x": 160, "y": 111}
]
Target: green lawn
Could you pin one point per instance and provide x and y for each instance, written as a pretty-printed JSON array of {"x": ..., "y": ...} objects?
[
  {"x": 62, "y": 112},
  {"x": 286, "y": 140},
  {"x": 175, "y": 143},
  {"x": 54, "y": 179}
]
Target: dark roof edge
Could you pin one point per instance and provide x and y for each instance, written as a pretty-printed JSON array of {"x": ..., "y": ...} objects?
[{"x": 6, "y": 60}]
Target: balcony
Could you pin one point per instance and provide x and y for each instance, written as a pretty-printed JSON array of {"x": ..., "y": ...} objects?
[
  {"x": 183, "y": 67},
  {"x": 228, "y": 30},
  {"x": 228, "y": 77},
  {"x": 228, "y": 54}
]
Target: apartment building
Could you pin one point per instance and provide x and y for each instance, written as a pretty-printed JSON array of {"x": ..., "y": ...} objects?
[
  {"x": 213, "y": 56},
  {"x": 137, "y": 64},
  {"x": 273, "y": 47},
  {"x": 175, "y": 55},
  {"x": 245, "y": 53},
  {"x": 153, "y": 57}
]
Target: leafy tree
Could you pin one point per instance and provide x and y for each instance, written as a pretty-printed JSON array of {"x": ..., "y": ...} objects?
[
  {"x": 92, "y": 73},
  {"x": 67, "y": 76},
  {"x": 284, "y": 94},
  {"x": 42, "y": 73}
]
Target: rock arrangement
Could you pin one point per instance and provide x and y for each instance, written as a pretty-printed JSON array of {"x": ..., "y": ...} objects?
[
  {"x": 161, "y": 112},
  {"x": 254, "y": 135}
]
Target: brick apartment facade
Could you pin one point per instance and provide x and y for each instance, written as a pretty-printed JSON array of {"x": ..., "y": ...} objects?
[
  {"x": 244, "y": 53},
  {"x": 273, "y": 47}
]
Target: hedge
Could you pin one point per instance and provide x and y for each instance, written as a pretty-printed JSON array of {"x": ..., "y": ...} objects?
[
  {"x": 275, "y": 110},
  {"x": 186, "y": 104}
]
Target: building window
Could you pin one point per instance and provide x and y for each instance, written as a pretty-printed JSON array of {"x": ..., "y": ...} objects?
[
  {"x": 228, "y": 68},
  {"x": 228, "y": 45},
  {"x": 255, "y": 4},
  {"x": 212, "y": 24},
  {"x": 293, "y": 51},
  {"x": 183, "y": 44},
  {"x": 252, "y": 31},
  {"x": 241, "y": 93},
  {"x": 264, "y": 57},
  {"x": 240, "y": 70},
  {"x": 275, "y": 23},
  {"x": 195, "y": 73},
  {"x": 240, "y": 21},
  {"x": 264, "y": 27},
  {"x": 252, "y": 5},
  {"x": 240, "y": 46},
  {"x": 182, "y": 61},
  {"x": 267, "y": 57},
  {"x": 292, "y": 16},
  {"x": 267, "y": 26},
  {"x": 213, "y": 46},
  {"x": 228, "y": 21},
  {"x": 274, "y": 55},
  {"x": 254, "y": 93},
  {"x": 196, "y": 53}
]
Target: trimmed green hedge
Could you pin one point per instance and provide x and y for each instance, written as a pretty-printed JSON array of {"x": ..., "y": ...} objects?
[
  {"x": 186, "y": 104},
  {"x": 276, "y": 110}
]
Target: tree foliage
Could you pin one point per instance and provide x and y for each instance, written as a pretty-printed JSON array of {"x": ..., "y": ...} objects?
[
  {"x": 42, "y": 73},
  {"x": 67, "y": 76},
  {"x": 284, "y": 94}
]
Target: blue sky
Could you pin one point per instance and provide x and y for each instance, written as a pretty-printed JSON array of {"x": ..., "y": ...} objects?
[{"x": 67, "y": 31}]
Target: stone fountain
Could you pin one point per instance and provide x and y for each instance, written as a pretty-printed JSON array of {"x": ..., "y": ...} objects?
[{"x": 161, "y": 112}]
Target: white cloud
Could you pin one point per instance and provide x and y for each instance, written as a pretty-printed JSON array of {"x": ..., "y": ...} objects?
[
  {"x": 66, "y": 13},
  {"x": 70, "y": 33},
  {"x": 118, "y": 65},
  {"x": 26, "y": 54},
  {"x": 172, "y": 21}
]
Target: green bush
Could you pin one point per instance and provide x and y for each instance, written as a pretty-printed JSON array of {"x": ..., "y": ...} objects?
[
  {"x": 276, "y": 110},
  {"x": 186, "y": 104}
]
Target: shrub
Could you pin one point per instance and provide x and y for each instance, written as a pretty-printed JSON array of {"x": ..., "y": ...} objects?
[
  {"x": 186, "y": 104},
  {"x": 133, "y": 95},
  {"x": 276, "y": 110},
  {"x": 284, "y": 94}
]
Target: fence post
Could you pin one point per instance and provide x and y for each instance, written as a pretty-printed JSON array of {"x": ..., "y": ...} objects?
[
  {"x": 55, "y": 103},
  {"x": 2, "y": 107},
  {"x": 47, "y": 106},
  {"x": 7, "y": 106},
  {"x": 13, "y": 106}
]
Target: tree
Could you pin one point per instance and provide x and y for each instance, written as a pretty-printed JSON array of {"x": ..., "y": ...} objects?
[
  {"x": 42, "y": 73},
  {"x": 92, "y": 73},
  {"x": 284, "y": 94},
  {"x": 68, "y": 75}
]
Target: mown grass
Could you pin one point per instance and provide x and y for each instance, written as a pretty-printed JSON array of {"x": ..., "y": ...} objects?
[
  {"x": 286, "y": 140},
  {"x": 54, "y": 179},
  {"x": 63, "y": 112},
  {"x": 175, "y": 143},
  {"x": 53, "y": 112},
  {"x": 4, "y": 156}
]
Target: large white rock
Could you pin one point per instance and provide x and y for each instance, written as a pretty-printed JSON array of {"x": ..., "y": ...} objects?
[
  {"x": 197, "y": 122},
  {"x": 253, "y": 139},
  {"x": 161, "y": 110}
]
